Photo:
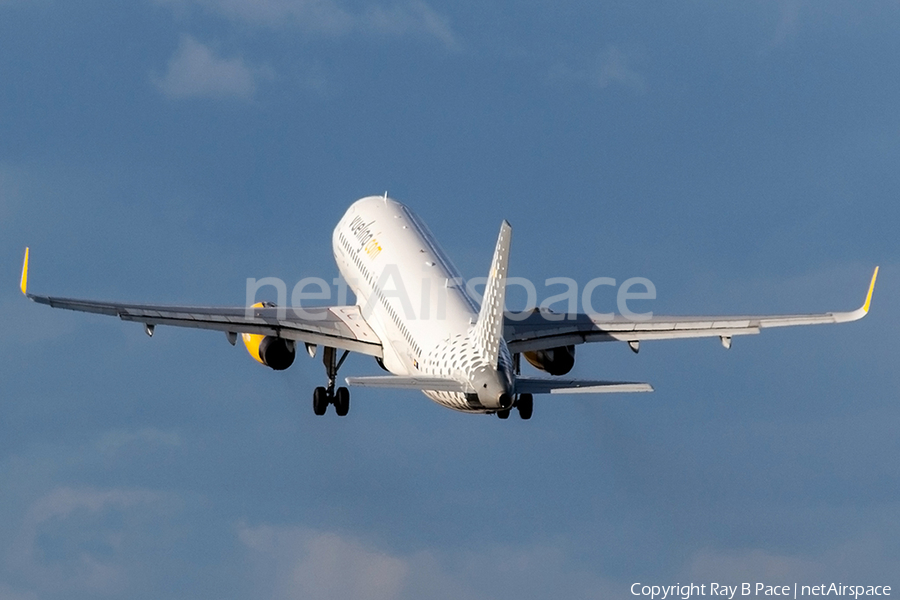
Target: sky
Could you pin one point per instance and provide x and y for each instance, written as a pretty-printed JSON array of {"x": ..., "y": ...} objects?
[{"x": 744, "y": 157}]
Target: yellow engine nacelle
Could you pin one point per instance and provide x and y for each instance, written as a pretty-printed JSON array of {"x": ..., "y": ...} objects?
[
  {"x": 556, "y": 361},
  {"x": 274, "y": 352}
]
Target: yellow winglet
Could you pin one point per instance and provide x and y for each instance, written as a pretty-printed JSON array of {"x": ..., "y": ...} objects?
[
  {"x": 871, "y": 289},
  {"x": 24, "y": 284}
]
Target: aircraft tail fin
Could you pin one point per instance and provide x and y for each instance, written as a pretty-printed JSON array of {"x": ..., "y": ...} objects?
[{"x": 489, "y": 328}]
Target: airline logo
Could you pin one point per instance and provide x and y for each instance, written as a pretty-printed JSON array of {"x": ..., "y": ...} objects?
[{"x": 363, "y": 233}]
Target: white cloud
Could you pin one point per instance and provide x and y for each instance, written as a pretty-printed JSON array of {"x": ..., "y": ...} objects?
[
  {"x": 415, "y": 18},
  {"x": 320, "y": 15},
  {"x": 6, "y": 592},
  {"x": 74, "y": 519},
  {"x": 62, "y": 502},
  {"x": 295, "y": 562},
  {"x": 614, "y": 68},
  {"x": 313, "y": 565},
  {"x": 195, "y": 71},
  {"x": 611, "y": 68},
  {"x": 865, "y": 554},
  {"x": 753, "y": 565},
  {"x": 113, "y": 442},
  {"x": 788, "y": 14},
  {"x": 328, "y": 17}
]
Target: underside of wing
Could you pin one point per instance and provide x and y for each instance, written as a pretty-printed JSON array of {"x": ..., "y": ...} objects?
[
  {"x": 534, "y": 385},
  {"x": 340, "y": 327},
  {"x": 542, "y": 330}
]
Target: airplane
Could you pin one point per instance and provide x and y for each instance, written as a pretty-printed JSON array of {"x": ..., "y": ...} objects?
[{"x": 461, "y": 355}]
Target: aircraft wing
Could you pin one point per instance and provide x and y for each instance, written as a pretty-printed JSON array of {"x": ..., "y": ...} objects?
[
  {"x": 341, "y": 327},
  {"x": 542, "y": 330}
]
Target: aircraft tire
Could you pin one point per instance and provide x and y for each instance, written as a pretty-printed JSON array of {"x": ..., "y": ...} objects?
[
  {"x": 320, "y": 401},
  {"x": 342, "y": 402},
  {"x": 525, "y": 405}
]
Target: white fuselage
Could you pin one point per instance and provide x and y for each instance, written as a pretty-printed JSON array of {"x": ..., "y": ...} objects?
[{"x": 416, "y": 302}]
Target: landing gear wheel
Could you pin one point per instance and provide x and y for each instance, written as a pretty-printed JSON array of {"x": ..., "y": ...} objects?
[
  {"x": 503, "y": 414},
  {"x": 324, "y": 396},
  {"x": 342, "y": 402},
  {"x": 525, "y": 405},
  {"x": 320, "y": 401}
]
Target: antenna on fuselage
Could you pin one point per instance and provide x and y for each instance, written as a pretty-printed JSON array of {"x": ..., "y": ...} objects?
[{"x": 385, "y": 196}]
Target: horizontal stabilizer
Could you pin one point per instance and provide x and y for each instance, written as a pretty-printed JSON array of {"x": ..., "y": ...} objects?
[
  {"x": 528, "y": 385},
  {"x": 432, "y": 384}
]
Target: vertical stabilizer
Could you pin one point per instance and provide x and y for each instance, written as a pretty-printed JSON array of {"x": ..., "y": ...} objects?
[{"x": 489, "y": 328}]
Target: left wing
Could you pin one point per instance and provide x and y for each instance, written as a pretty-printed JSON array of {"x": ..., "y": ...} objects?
[
  {"x": 341, "y": 327},
  {"x": 541, "y": 331}
]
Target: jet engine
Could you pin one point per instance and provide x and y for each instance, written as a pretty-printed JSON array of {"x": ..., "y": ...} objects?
[
  {"x": 274, "y": 352},
  {"x": 556, "y": 361}
]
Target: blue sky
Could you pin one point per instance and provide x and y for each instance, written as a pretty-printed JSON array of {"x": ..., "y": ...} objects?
[{"x": 743, "y": 156}]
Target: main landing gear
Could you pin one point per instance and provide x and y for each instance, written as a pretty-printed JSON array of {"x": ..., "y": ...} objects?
[
  {"x": 323, "y": 396},
  {"x": 524, "y": 404}
]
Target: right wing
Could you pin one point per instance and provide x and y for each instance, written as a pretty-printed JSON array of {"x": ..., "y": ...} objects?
[
  {"x": 541, "y": 330},
  {"x": 341, "y": 327}
]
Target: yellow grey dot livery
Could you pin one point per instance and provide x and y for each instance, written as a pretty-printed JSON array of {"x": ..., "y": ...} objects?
[{"x": 415, "y": 317}]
